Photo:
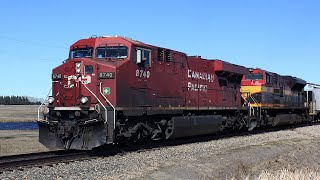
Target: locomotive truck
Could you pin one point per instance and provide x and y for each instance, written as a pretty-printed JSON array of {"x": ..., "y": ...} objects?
[{"x": 118, "y": 90}]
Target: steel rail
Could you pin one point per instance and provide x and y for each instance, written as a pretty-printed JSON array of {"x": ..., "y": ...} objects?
[{"x": 22, "y": 161}]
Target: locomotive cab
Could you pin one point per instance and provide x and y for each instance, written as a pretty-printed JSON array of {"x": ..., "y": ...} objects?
[{"x": 252, "y": 85}]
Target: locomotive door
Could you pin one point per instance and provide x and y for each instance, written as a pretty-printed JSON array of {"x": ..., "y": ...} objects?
[
  {"x": 141, "y": 91},
  {"x": 70, "y": 88}
]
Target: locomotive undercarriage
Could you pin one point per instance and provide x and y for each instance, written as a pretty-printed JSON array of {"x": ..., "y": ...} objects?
[
  {"x": 133, "y": 129},
  {"x": 140, "y": 129},
  {"x": 87, "y": 129},
  {"x": 147, "y": 128}
]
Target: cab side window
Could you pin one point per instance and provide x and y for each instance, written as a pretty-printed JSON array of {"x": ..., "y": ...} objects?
[
  {"x": 268, "y": 79},
  {"x": 88, "y": 69},
  {"x": 142, "y": 56}
]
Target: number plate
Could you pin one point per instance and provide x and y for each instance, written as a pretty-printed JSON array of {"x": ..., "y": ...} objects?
[
  {"x": 106, "y": 75},
  {"x": 56, "y": 77}
]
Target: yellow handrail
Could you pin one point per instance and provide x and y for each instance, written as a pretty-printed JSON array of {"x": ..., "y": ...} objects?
[{"x": 255, "y": 101}]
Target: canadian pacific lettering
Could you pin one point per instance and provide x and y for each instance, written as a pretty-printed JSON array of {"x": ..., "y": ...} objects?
[
  {"x": 197, "y": 87},
  {"x": 200, "y": 75},
  {"x": 194, "y": 75}
]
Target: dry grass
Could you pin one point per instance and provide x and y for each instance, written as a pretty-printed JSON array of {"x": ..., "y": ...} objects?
[
  {"x": 19, "y": 142},
  {"x": 284, "y": 174},
  {"x": 16, "y": 141},
  {"x": 18, "y": 113}
]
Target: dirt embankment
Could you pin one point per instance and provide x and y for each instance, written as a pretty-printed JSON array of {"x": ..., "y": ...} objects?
[
  {"x": 287, "y": 154},
  {"x": 299, "y": 158}
]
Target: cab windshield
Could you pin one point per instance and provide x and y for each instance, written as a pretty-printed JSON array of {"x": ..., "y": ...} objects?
[
  {"x": 112, "y": 52},
  {"x": 81, "y": 53},
  {"x": 254, "y": 77}
]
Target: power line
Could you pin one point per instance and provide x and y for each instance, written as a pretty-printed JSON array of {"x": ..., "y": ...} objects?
[
  {"x": 30, "y": 59},
  {"x": 31, "y": 43}
]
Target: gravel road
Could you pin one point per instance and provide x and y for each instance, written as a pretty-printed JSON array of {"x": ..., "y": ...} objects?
[{"x": 227, "y": 158}]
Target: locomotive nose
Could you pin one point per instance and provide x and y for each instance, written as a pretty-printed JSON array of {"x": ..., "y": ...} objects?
[{"x": 76, "y": 84}]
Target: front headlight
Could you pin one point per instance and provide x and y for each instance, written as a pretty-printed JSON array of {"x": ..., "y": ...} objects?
[
  {"x": 84, "y": 100},
  {"x": 50, "y": 100}
]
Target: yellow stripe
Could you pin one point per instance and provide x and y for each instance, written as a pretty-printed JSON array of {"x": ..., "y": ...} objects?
[{"x": 250, "y": 89}]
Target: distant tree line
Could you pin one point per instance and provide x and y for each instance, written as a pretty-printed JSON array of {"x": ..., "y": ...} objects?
[{"x": 16, "y": 100}]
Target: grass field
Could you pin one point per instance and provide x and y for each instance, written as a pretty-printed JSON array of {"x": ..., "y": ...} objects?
[
  {"x": 19, "y": 142},
  {"x": 18, "y": 113}
]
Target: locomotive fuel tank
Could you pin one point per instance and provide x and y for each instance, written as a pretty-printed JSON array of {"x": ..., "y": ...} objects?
[
  {"x": 286, "y": 119},
  {"x": 184, "y": 126}
]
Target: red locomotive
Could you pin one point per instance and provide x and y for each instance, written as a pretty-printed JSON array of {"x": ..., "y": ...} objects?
[{"x": 115, "y": 90}]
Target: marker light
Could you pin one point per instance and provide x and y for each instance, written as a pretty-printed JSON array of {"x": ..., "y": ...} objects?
[{"x": 78, "y": 67}]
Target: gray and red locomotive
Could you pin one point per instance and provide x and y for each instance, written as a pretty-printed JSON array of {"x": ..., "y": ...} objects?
[{"x": 115, "y": 90}]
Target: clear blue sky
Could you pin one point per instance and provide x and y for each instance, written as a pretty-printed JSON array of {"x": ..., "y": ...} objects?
[{"x": 280, "y": 36}]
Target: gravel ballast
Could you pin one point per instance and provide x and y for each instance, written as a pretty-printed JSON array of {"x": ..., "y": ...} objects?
[{"x": 222, "y": 158}]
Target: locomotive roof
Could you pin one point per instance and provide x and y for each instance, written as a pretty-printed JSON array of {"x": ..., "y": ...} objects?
[
  {"x": 103, "y": 40},
  {"x": 221, "y": 65}
]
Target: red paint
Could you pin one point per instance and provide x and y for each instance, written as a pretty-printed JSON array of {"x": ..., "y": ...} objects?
[
  {"x": 186, "y": 81},
  {"x": 250, "y": 82}
]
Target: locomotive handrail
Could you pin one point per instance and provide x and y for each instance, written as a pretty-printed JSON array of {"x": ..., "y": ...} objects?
[
  {"x": 245, "y": 99},
  {"x": 254, "y": 100},
  {"x": 43, "y": 103},
  {"x": 251, "y": 107},
  {"x": 114, "y": 110},
  {"x": 251, "y": 97},
  {"x": 105, "y": 109}
]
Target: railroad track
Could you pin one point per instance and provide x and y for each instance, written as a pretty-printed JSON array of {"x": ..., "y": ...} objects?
[{"x": 24, "y": 161}]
